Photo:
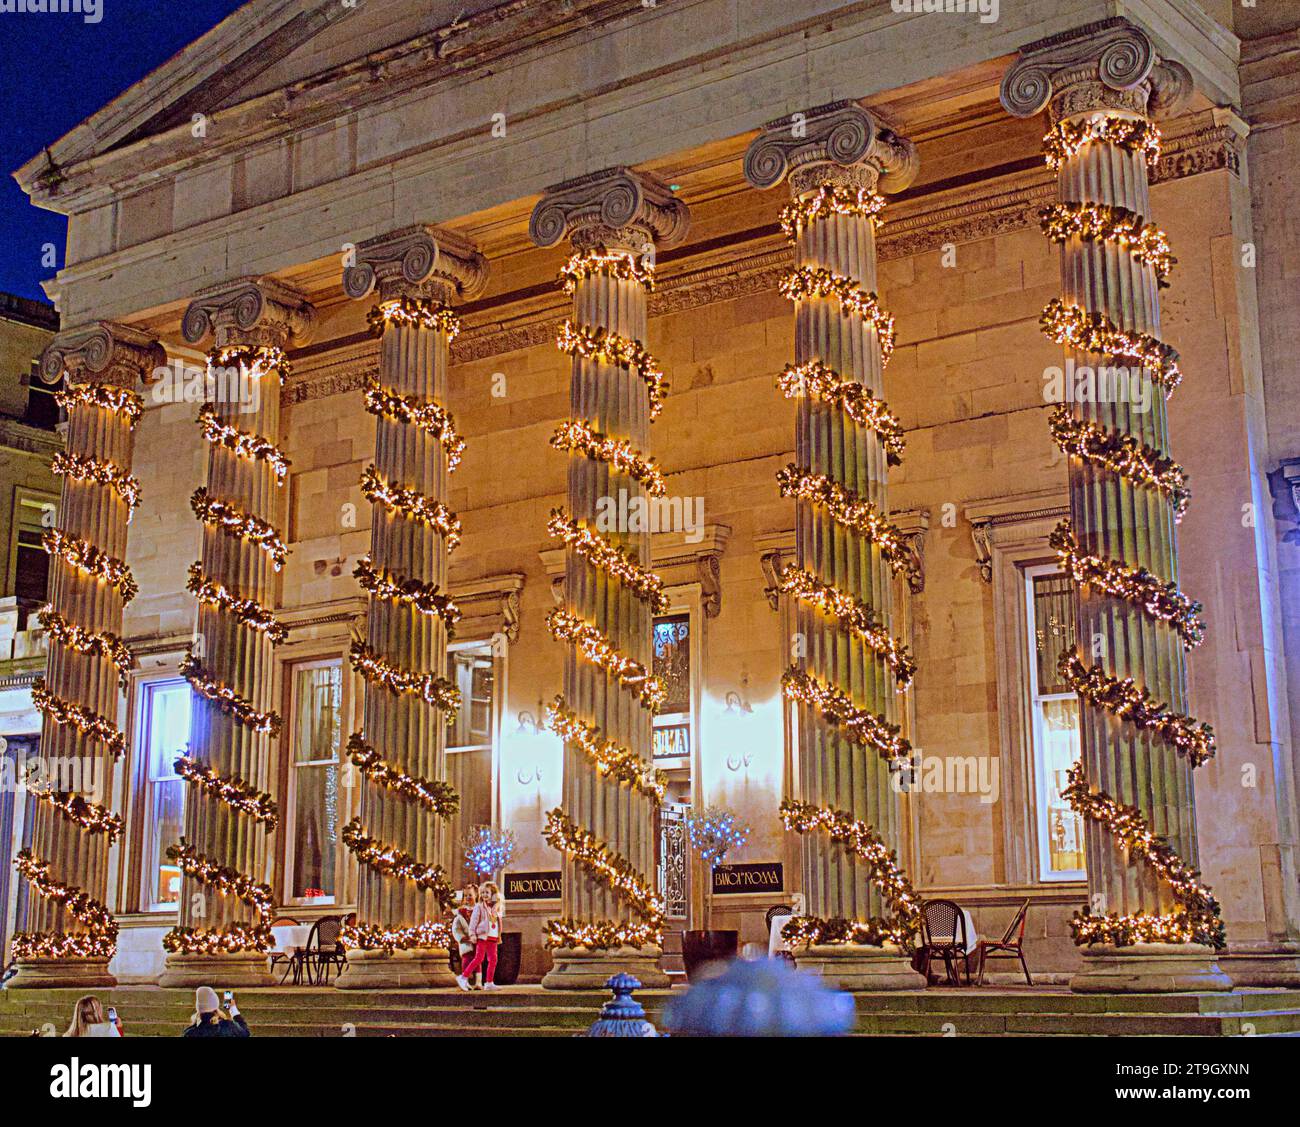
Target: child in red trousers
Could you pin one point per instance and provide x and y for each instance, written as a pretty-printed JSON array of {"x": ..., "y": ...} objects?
[{"x": 485, "y": 929}]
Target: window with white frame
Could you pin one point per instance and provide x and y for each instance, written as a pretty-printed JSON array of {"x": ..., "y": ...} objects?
[
  {"x": 672, "y": 665},
  {"x": 472, "y": 669},
  {"x": 315, "y": 795},
  {"x": 1055, "y": 722},
  {"x": 165, "y": 724}
]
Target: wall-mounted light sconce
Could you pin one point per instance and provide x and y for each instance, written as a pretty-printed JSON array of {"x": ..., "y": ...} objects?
[
  {"x": 528, "y": 775},
  {"x": 736, "y": 762}
]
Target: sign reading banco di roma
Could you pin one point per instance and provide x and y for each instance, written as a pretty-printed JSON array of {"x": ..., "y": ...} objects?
[
  {"x": 533, "y": 886},
  {"x": 762, "y": 876}
]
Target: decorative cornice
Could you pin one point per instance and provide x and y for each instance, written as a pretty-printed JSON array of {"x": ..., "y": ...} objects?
[
  {"x": 103, "y": 351},
  {"x": 841, "y": 139},
  {"x": 1023, "y": 516},
  {"x": 419, "y": 261},
  {"x": 616, "y": 206},
  {"x": 259, "y": 311},
  {"x": 18, "y": 436},
  {"x": 1108, "y": 65},
  {"x": 489, "y": 606}
]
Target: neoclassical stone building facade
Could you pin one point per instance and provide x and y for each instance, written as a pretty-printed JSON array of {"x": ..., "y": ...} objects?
[{"x": 946, "y": 359}]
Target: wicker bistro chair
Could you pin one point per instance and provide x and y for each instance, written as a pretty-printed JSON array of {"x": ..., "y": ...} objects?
[
  {"x": 287, "y": 960},
  {"x": 943, "y": 936},
  {"x": 1010, "y": 946},
  {"x": 323, "y": 950}
]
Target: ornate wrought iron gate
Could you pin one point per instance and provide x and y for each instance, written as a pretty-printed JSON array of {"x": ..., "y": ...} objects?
[{"x": 673, "y": 867}]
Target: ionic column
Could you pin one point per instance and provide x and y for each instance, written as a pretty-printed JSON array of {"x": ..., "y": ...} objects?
[
  {"x": 400, "y": 838},
  {"x": 223, "y": 932},
  {"x": 1150, "y": 924},
  {"x": 612, "y": 915},
  {"x": 849, "y": 666},
  {"x": 68, "y": 935}
]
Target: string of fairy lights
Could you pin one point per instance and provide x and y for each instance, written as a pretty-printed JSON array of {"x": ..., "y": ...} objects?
[
  {"x": 824, "y": 602},
  {"x": 1117, "y": 452},
  {"x": 88, "y": 564},
  {"x": 609, "y": 759},
  {"x": 420, "y": 599},
  {"x": 224, "y": 597}
]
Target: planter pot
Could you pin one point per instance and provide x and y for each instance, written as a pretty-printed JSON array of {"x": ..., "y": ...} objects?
[
  {"x": 700, "y": 947},
  {"x": 510, "y": 952}
]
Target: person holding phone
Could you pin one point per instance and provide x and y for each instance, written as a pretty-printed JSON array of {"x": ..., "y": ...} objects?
[
  {"x": 210, "y": 1020},
  {"x": 88, "y": 1019}
]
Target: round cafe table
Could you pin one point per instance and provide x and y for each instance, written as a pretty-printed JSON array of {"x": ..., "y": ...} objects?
[{"x": 289, "y": 938}]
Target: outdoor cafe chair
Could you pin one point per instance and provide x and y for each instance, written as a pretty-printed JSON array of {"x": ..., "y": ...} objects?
[
  {"x": 943, "y": 936},
  {"x": 1010, "y": 946}
]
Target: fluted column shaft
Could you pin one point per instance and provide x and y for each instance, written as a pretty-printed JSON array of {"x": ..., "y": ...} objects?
[{"x": 67, "y": 916}]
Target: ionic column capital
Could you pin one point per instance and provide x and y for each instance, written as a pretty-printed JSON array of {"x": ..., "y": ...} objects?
[
  {"x": 1108, "y": 65},
  {"x": 613, "y": 207},
  {"x": 253, "y": 311},
  {"x": 840, "y": 142},
  {"x": 418, "y": 261},
  {"x": 105, "y": 351}
]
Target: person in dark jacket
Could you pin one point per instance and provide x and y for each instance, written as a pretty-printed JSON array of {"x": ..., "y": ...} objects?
[{"x": 210, "y": 1021}]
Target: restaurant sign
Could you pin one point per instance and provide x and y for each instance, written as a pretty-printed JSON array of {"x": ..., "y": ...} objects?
[
  {"x": 533, "y": 886},
  {"x": 763, "y": 876}
]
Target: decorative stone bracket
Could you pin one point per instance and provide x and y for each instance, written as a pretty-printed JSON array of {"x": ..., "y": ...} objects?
[
  {"x": 1000, "y": 521},
  {"x": 489, "y": 606}
]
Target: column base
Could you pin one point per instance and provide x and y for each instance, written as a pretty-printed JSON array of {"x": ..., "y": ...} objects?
[
  {"x": 854, "y": 966},
  {"x": 40, "y": 973},
  {"x": 1277, "y": 965},
  {"x": 419, "y": 968},
  {"x": 1150, "y": 968},
  {"x": 580, "y": 968},
  {"x": 220, "y": 971}
]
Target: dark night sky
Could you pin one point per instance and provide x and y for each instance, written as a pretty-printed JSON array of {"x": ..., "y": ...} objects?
[{"x": 55, "y": 71}]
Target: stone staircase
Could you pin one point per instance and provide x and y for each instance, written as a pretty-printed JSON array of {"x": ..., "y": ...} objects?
[{"x": 531, "y": 1012}]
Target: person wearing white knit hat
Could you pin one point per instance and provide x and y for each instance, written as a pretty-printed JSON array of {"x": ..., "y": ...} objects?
[{"x": 209, "y": 1020}]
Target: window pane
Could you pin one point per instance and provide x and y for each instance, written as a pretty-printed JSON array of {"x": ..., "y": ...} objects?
[
  {"x": 167, "y": 735},
  {"x": 169, "y": 727},
  {"x": 317, "y": 737},
  {"x": 1053, "y": 628},
  {"x": 1062, "y": 827},
  {"x": 316, "y": 828},
  {"x": 672, "y": 661},
  {"x": 471, "y": 672},
  {"x": 167, "y": 813}
]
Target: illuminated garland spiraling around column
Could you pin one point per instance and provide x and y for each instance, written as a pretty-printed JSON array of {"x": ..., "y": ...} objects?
[
  {"x": 806, "y": 282},
  {"x": 831, "y": 199},
  {"x": 1074, "y": 327},
  {"x": 1121, "y": 453},
  {"x": 1067, "y": 138},
  {"x": 618, "y": 875},
  {"x": 393, "y": 862},
  {"x": 247, "y": 612},
  {"x": 258, "y": 360},
  {"x": 410, "y": 504},
  {"x": 620, "y": 264},
  {"x": 438, "y": 796},
  {"x": 237, "y": 937},
  {"x": 604, "y": 555},
  {"x": 851, "y": 615},
  {"x": 1104, "y": 223},
  {"x": 859, "y": 839},
  {"x": 242, "y": 443},
  {"x": 859, "y": 725},
  {"x": 609, "y": 757},
  {"x": 424, "y": 598},
  {"x": 233, "y": 792},
  {"x": 600, "y": 651},
  {"x": 377, "y": 937},
  {"x": 230, "y": 702},
  {"x": 85, "y": 720},
  {"x": 1123, "y": 699},
  {"x": 429, "y": 687},
  {"x": 408, "y": 311},
  {"x": 609, "y": 347},
  {"x": 99, "y": 941},
  {"x": 852, "y": 512},
  {"x": 91, "y": 561},
  {"x": 234, "y": 522},
  {"x": 1197, "y": 921},
  {"x": 90, "y": 643},
  {"x": 1159, "y": 600},
  {"x": 80, "y": 811},
  {"x": 815, "y": 378},
  {"x": 578, "y": 436},
  {"x": 430, "y": 417},
  {"x": 115, "y": 400},
  {"x": 109, "y": 474}
]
